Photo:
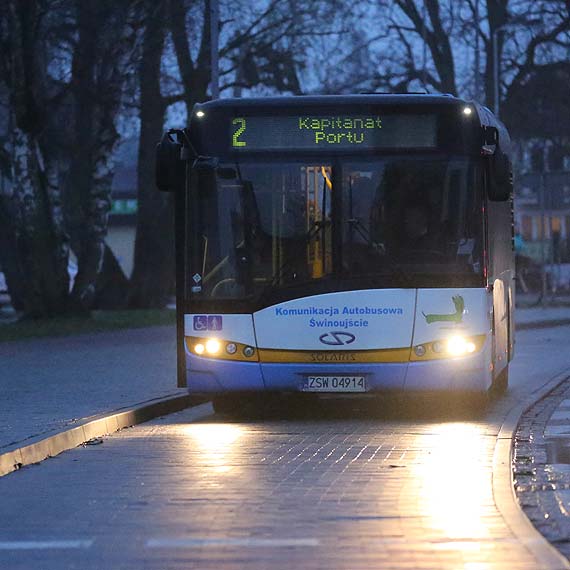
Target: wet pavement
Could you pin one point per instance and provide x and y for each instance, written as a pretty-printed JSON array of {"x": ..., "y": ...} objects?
[
  {"x": 354, "y": 491},
  {"x": 388, "y": 485},
  {"x": 399, "y": 486},
  {"x": 542, "y": 466}
]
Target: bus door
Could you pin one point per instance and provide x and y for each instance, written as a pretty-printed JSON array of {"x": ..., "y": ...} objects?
[
  {"x": 299, "y": 224},
  {"x": 318, "y": 190}
]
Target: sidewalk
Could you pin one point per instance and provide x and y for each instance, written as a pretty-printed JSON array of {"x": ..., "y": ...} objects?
[
  {"x": 48, "y": 384},
  {"x": 541, "y": 317}
]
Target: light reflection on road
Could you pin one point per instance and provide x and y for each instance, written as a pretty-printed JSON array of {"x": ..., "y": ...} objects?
[
  {"x": 453, "y": 484},
  {"x": 215, "y": 444}
]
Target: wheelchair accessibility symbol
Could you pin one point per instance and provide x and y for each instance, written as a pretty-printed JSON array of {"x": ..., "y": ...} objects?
[{"x": 208, "y": 323}]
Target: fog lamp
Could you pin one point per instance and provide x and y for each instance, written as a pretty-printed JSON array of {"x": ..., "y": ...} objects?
[
  {"x": 420, "y": 350},
  {"x": 437, "y": 346},
  {"x": 212, "y": 346},
  {"x": 248, "y": 351},
  {"x": 231, "y": 348}
]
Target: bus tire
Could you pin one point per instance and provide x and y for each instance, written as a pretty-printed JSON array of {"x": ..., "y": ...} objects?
[
  {"x": 478, "y": 401},
  {"x": 501, "y": 383},
  {"x": 225, "y": 404},
  {"x": 239, "y": 404}
]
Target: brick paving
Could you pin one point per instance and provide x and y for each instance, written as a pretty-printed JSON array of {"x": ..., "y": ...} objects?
[
  {"x": 542, "y": 466},
  {"x": 390, "y": 492},
  {"x": 352, "y": 493}
]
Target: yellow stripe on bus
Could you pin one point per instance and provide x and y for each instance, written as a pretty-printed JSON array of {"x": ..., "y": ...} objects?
[
  {"x": 383, "y": 355},
  {"x": 335, "y": 357}
]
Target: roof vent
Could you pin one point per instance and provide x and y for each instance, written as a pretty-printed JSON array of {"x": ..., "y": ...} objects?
[{"x": 393, "y": 93}]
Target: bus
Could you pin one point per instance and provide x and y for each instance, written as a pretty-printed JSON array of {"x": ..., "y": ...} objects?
[{"x": 342, "y": 245}]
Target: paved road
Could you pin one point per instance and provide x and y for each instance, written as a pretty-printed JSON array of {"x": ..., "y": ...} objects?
[{"x": 401, "y": 488}]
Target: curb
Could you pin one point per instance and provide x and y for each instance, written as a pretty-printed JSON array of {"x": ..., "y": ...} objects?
[
  {"x": 503, "y": 485},
  {"x": 542, "y": 324},
  {"x": 98, "y": 427}
]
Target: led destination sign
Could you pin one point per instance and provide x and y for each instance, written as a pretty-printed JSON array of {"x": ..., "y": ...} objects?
[{"x": 316, "y": 132}]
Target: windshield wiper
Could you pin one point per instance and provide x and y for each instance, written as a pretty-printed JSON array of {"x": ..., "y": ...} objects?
[{"x": 378, "y": 248}]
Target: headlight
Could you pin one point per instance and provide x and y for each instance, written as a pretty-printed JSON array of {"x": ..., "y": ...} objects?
[
  {"x": 450, "y": 347},
  {"x": 221, "y": 349},
  {"x": 458, "y": 346},
  {"x": 212, "y": 346}
]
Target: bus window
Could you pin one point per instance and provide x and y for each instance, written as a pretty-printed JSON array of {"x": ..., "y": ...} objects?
[
  {"x": 416, "y": 213},
  {"x": 270, "y": 226}
]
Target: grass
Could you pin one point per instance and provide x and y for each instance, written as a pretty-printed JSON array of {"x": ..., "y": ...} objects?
[{"x": 100, "y": 321}]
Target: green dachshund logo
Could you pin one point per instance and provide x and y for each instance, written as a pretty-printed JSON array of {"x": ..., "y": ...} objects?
[{"x": 456, "y": 317}]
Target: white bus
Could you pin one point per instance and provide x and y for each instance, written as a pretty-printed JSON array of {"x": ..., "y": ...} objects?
[{"x": 342, "y": 244}]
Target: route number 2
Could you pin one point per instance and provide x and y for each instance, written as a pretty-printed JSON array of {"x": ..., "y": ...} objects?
[{"x": 238, "y": 132}]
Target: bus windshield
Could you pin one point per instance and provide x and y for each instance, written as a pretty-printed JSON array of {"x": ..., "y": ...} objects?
[{"x": 287, "y": 229}]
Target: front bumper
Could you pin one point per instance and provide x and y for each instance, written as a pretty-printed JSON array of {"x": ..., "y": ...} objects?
[{"x": 467, "y": 373}]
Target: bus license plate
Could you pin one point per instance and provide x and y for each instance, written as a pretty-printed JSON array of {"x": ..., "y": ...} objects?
[{"x": 334, "y": 384}]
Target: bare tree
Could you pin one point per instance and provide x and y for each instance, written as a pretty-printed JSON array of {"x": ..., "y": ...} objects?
[
  {"x": 33, "y": 238},
  {"x": 538, "y": 39},
  {"x": 152, "y": 280},
  {"x": 63, "y": 66},
  {"x": 427, "y": 24},
  {"x": 105, "y": 42},
  {"x": 259, "y": 48},
  {"x": 408, "y": 46}
]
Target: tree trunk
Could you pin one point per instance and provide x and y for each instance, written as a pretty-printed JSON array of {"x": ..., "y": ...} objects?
[
  {"x": 152, "y": 281},
  {"x": 112, "y": 284},
  {"x": 97, "y": 92},
  {"x": 38, "y": 265},
  {"x": 497, "y": 13},
  {"x": 195, "y": 76},
  {"x": 440, "y": 48},
  {"x": 9, "y": 261}
]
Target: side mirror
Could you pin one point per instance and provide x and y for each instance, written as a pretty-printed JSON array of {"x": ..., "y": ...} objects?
[
  {"x": 489, "y": 140},
  {"x": 500, "y": 177},
  {"x": 169, "y": 168}
]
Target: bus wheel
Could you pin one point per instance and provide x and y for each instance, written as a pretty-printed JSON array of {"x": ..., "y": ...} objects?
[
  {"x": 501, "y": 383},
  {"x": 225, "y": 404},
  {"x": 468, "y": 404},
  {"x": 478, "y": 402}
]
